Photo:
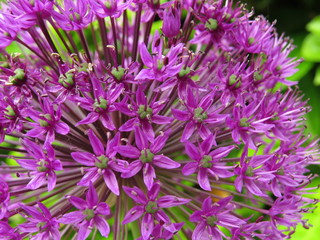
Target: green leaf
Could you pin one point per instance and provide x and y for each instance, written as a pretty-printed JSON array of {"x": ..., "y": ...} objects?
[
  {"x": 310, "y": 50},
  {"x": 316, "y": 79},
  {"x": 314, "y": 26}
]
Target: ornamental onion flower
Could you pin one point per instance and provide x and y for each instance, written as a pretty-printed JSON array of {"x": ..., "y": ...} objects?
[{"x": 149, "y": 120}]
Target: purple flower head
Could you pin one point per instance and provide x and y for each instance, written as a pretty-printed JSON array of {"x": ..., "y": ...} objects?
[
  {"x": 101, "y": 163},
  {"x": 213, "y": 215},
  {"x": 198, "y": 114},
  {"x": 75, "y": 15},
  {"x": 8, "y": 30},
  {"x": 160, "y": 67},
  {"x": 8, "y": 233},
  {"x": 150, "y": 207},
  {"x": 175, "y": 119},
  {"x": 171, "y": 22},
  {"x": 109, "y": 8},
  {"x": 42, "y": 164},
  {"x": 40, "y": 222},
  {"x": 101, "y": 105},
  {"x": 47, "y": 123},
  {"x": 91, "y": 213},
  {"x": 146, "y": 157},
  {"x": 207, "y": 162},
  {"x": 143, "y": 113}
]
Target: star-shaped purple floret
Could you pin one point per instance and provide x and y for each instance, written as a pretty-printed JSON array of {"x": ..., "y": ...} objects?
[
  {"x": 150, "y": 208},
  {"x": 146, "y": 157},
  {"x": 102, "y": 162},
  {"x": 207, "y": 162},
  {"x": 91, "y": 213}
]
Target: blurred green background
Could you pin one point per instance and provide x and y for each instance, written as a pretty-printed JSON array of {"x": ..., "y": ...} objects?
[{"x": 300, "y": 20}]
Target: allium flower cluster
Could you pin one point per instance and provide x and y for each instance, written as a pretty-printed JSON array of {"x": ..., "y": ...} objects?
[{"x": 144, "y": 119}]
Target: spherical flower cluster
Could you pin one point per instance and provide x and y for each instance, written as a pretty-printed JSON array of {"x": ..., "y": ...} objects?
[{"x": 141, "y": 119}]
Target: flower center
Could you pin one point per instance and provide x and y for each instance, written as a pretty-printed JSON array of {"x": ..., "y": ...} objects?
[
  {"x": 249, "y": 171},
  {"x": 205, "y": 162},
  {"x": 144, "y": 111},
  {"x": 100, "y": 104},
  {"x": 118, "y": 73},
  {"x": 211, "y": 221},
  {"x": 152, "y": 207},
  {"x": 9, "y": 112},
  {"x": 103, "y": 162},
  {"x": 67, "y": 80},
  {"x": 40, "y": 225},
  {"x": 146, "y": 156},
  {"x": 42, "y": 167},
  {"x": 45, "y": 123},
  {"x": 183, "y": 72},
  {"x": 244, "y": 122},
  {"x": 199, "y": 114},
  {"x": 19, "y": 78},
  {"x": 89, "y": 213},
  {"x": 234, "y": 81},
  {"x": 212, "y": 24}
]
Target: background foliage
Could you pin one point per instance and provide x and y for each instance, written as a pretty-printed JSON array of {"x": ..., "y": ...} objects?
[{"x": 300, "y": 20}]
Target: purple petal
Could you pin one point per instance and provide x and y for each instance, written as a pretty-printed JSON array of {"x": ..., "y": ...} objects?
[
  {"x": 30, "y": 164},
  {"x": 162, "y": 161},
  {"x": 91, "y": 176},
  {"x": 84, "y": 230},
  {"x": 145, "y": 56},
  {"x": 159, "y": 142},
  {"x": 136, "y": 194},
  {"x": 91, "y": 196},
  {"x": 36, "y": 132},
  {"x": 52, "y": 178},
  {"x": 140, "y": 138},
  {"x": 102, "y": 226},
  {"x": 107, "y": 121},
  {"x": 171, "y": 201},
  {"x": 111, "y": 181},
  {"x": 72, "y": 217},
  {"x": 221, "y": 152},
  {"x": 102, "y": 208},
  {"x": 129, "y": 125},
  {"x": 200, "y": 232},
  {"x": 32, "y": 211},
  {"x": 192, "y": 151},
  {"x": 147, "y": 226},
  {"x": 189, "y": 168},
  {"x": 188, "y": 130},
  {"x": 133, "y": 214},
  {"x": 148, "y": 175},
  {"x": 44, "y": 209},
  {"x": 78, "y": 202},
  {"x": 133, "y": 169},
  {"x": 95, "y": 143},
  {"x": 62, "y": 128},
  {"x": 84, "y": 158},
  {"x": 154, "y": 191},
  {"x": 203, "y": 179},
  {"x": 161, "y": 119},
  {"x": 181, "y": 115},
  {"x": 128, "y": 151},
  {"x": 206, "y": 204},
  {"x": 32, "y": 148},
  {"x": 92, "y": 117},
  {"x": 206, "y": 145},
  {"x": 38, "y": 180},
  {"x": 147, "y": 128}
]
